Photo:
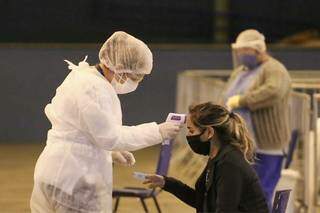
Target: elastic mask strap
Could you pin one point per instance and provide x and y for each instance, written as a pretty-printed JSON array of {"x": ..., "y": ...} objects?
[{"x": 121, "y": 78}]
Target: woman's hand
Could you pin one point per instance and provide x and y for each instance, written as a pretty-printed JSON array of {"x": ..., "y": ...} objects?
[{"x": 154, "y": 181}]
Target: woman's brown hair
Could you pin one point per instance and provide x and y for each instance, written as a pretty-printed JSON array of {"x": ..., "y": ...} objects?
[{"x": 229, "y": 126}]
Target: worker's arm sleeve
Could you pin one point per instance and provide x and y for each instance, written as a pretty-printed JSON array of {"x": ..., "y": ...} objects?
[
  {"x": 107, "y": 133},
  {"x": 275, "y": 86},
  {"x": 180, "y": 190}
]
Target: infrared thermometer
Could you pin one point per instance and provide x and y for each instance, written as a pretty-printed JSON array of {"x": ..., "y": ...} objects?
[{"x": 175, "y": 118}]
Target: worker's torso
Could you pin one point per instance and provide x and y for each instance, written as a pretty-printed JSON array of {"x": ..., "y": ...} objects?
[{"x": 70, "y": 156}]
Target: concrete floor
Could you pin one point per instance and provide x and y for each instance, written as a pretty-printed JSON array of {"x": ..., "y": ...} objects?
[{"x": 16, "y": 180}]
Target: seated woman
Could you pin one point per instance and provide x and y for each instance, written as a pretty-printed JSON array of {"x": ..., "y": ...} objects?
[{"x": 228, "y": 183}]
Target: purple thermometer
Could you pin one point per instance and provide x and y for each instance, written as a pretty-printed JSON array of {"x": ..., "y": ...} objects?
[{"x": 176, "y": 118}]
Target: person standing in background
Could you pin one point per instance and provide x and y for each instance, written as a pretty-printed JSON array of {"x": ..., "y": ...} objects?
[{"x": 258, "y": 90}]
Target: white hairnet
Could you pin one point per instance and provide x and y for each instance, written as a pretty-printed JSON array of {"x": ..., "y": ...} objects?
[
  {"x": 123, "y": 53},
  {"x": 252, "y": 39}
]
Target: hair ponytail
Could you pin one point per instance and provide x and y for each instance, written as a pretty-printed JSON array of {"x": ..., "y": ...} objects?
[{"x": 243, "y": 139}]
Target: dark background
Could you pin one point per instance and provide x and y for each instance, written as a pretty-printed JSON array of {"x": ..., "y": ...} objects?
[{"x": 165, "y": 21}]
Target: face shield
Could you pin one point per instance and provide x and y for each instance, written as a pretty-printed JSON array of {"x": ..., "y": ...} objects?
[
  {"x": 248, "y": 42},
  {"x": 235, "y": 59}
]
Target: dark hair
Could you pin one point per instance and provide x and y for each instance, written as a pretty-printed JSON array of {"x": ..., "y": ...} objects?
[{"x": 229, "y": 126}]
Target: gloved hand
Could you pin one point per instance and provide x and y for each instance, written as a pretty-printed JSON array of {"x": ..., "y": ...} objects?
[
  {"x": 233, "y": 102},
  {"x": 129, "y": 157},
  {"x": 123, "y": 158},
  {"x": 169, "y": 130}
]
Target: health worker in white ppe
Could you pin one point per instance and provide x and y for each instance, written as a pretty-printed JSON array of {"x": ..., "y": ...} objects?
[{"x": 74, "y": 171}]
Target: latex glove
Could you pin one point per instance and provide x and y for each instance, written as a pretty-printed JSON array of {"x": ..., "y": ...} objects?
[
  {"x": 129, "y": 157},
  {"x": 233, "y": 102},
  {"x": 123, "y": 158},
  {"x": 169, "y": 130},
  {"x": 154, "y": 181}
]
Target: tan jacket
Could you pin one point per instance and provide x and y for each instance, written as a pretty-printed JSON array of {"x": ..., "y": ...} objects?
[{"x": 268, "y": 101}]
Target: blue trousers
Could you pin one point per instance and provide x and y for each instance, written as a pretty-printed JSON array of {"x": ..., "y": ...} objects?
[{"x": 268, "y": 168}]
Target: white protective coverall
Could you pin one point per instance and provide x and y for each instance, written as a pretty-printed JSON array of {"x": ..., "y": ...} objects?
[{"x": 74, "y": 171}]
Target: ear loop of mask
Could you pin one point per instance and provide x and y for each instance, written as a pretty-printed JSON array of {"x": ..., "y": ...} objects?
[
  {"x": 120, "y": 78},
  {"x": 205, "y": 130},
  {"x": 120, "y": 75}
]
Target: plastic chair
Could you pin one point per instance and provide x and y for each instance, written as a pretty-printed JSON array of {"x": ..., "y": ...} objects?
[
  {"x": 143, "y": 193},
  {"x": 280, "y": 202}
]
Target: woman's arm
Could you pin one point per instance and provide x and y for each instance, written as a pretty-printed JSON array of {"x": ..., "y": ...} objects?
[{"x": 180, "y": 190}]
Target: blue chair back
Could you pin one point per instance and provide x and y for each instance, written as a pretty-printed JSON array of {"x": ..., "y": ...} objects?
[
  {"x": 280, "y": 202},
  {"x": 164, "y": 158}
]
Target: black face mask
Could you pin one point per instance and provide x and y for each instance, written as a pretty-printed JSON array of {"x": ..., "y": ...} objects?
[{"x": 198, "y": 146}]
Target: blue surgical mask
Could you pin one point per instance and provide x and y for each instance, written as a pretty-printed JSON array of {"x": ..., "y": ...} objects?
[{"x": 249, "y": 60}]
